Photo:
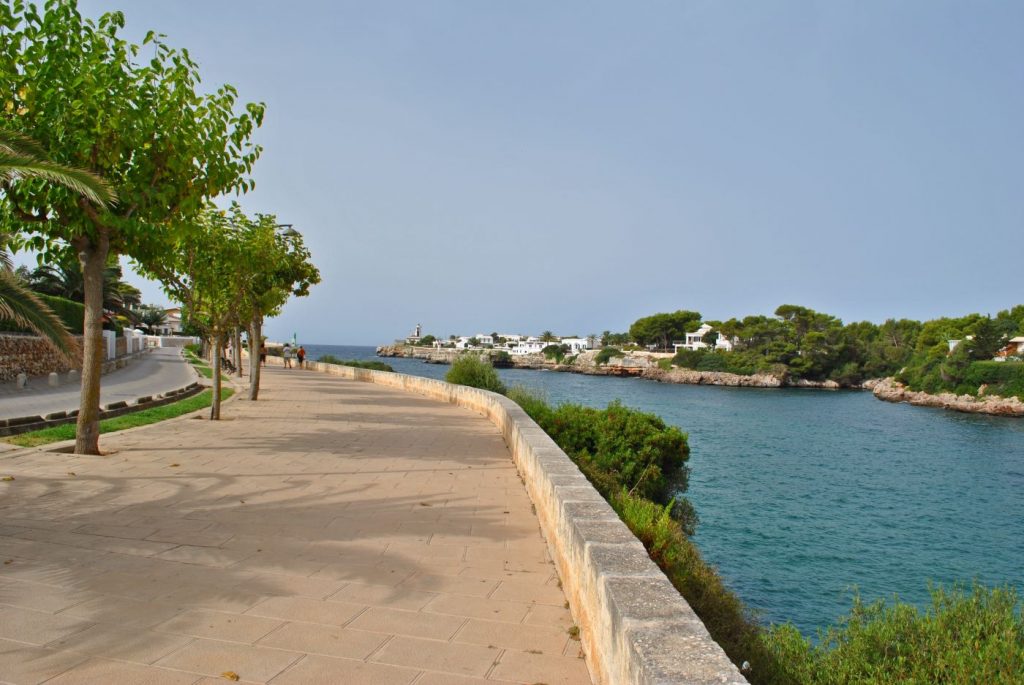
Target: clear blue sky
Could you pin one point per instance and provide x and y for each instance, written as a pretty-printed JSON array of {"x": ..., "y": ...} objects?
[{"x": 575, "y": 165}]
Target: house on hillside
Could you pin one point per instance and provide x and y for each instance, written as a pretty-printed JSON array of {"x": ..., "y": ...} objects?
[
  {"x": 695, "y": 341},
  {"x": 1014, "y": 348},
  {"x": 531, "y": 345}
]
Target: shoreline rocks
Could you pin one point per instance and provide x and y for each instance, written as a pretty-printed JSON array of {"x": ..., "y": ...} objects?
[
  {"x": 645, "y": 365},
  {"x": 889, "y": 390}
]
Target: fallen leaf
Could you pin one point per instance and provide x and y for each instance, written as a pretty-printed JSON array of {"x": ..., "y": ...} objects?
[
  {"x": 242, "y": 501},
  {"x": 175, "y": 465},
  {"x": 7, "y": 478},
  {"x": 72, "y": 473},
  {"x": 424, "y": 504},
  {"x": 9, "y": 561},
  {"x": 230, "y": 675}
]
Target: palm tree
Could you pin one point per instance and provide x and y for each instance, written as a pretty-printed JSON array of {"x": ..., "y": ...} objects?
[
  {"x": 548, "y": 336},
  {"x": 20, "y": 158}
]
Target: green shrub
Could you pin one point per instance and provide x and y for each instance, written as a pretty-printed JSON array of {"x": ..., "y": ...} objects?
[
  {"x": 372, "y": 365},
  {"x": 712, "y": 361},
  {"x": 555, "y": 352},
  {"x": 975, "y": 637},
  {"x": 1003, "y": 378},
  {"x": 606, "y": 354},
  {"x": 471, "y": 370}
]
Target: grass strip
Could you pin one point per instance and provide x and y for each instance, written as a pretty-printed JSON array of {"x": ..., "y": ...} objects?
[{"x": 118, "y": 423}]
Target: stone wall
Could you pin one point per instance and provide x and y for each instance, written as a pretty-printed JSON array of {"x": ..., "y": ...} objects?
[
  {"x": 635, "y": 626},
  {"x": 29, "y": 355}
]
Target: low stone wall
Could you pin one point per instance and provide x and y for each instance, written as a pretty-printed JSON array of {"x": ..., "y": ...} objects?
[
  {"x": 634, "y": 625},
  {"x": 30, "y": 355}
]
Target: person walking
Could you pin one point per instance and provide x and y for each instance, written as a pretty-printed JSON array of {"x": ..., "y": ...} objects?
[
  {"x": 287, "y": 354},
  {"x": 263, "y": 354},
  {"x": 300, "y": 354}
]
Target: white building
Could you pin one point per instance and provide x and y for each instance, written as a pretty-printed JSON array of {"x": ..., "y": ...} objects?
[
  {"x": 172, "y": 322},
  {"x": 576, "y": 345},
  {"x": 695, "y": 341},
  {"x": 531, "y": 345}
]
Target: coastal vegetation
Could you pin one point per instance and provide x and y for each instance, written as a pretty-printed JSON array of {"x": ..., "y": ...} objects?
[
  {"x": 472, "y": 370},
  {"x": 372, "y": 365},
  {"x": 639, "y": 465},
  {"x": 800, "y": 343}
]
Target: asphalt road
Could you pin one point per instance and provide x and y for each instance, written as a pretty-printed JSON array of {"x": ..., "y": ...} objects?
[{"x": 161, "y": 370}]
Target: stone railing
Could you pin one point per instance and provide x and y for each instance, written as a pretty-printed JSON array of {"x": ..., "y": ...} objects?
[{"x": 634, "y": 625}]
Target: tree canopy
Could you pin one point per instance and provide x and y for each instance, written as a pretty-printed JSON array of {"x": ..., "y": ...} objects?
[{"x": 131, "y": 114}]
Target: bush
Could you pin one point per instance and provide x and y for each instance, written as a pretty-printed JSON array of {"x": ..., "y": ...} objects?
[
  {"x": 372, "y": 365},
  {"x": 555, "y": 352},
  {"x": 606, "y": 354},
  {"x": 961, "y": 638},
  {"x": 471, "y": 370},
  {"x": 1003, "y": 378},
  {"x": 71, "y": 314}
]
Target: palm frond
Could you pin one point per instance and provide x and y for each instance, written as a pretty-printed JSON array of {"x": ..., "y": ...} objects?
[
  {"x": 82, "y": 182},
  {"x": 19, "y": 144},
  {"x": 20, "y": 305}
]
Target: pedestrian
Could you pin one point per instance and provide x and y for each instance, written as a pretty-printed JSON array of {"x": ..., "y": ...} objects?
[
  {"x": 287, "y": 354},
  {"x": 300, "y": 354},
  {"x": 263, "y": 354}
]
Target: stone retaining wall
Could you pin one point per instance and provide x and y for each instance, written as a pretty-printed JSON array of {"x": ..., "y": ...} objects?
[
  {"x": 30, "y": 355},
  {"x": 634, "y": 625}
]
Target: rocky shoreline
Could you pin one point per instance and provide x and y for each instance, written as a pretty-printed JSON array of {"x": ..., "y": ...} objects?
[
  {"x": 635, "y": 364},
  {"x": 892, "y": 391},
  {"x": 645, "y": 365}
]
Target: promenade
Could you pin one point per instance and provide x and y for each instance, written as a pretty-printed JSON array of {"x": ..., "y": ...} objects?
[{"x": 332, "y": 532}]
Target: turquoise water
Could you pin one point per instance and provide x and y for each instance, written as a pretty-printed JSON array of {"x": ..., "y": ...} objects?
[{"x": 805, "y": 494}]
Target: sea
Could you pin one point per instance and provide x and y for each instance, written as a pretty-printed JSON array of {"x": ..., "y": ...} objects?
[{"x": 807, "y": 497}]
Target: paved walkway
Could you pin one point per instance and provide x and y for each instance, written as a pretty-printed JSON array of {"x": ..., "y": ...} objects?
[
  {"x": 161, "y": 370},
  {"x": 333, "y": 532}
]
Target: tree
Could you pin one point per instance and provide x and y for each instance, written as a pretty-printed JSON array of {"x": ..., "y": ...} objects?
[
  {"x": 22, "y": 157},
  {"x": 130, "y": 114},
  {"x": 548, "y": 336},
  {"x": 661, "y": 329},
  {"x": 152, "y": 317},
  {"x": 286, "y": 270},
  {"x": 987, "y": 341}
]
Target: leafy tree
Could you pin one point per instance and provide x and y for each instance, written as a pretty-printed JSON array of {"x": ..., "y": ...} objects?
[
  {"x": 661, "y": 329},
  {"x": 286, "y": 269},
  {"x": 548, "y": 336},
  {"x": 988, "y": 339},
  {"x": 130, "y": 114},
  {"x": 427, "y": 340}
]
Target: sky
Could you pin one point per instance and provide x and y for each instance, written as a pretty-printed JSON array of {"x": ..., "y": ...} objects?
[{"x": 573, "y": 166}]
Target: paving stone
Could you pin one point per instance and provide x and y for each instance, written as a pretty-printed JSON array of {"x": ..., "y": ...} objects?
[
  {"x": 308, "y": 610},
  {"x": 103, "y": 672},
  {"x": 411, "y": 623},
  {"x": 36, "y": 627},
  {"x": 524, "y": 638},
  {"x": 461, "y": 659},
  {"x": 209, "y": 657},
  {"x": 534, "y": 668},
  {"x": 329, "y": 641},
  {"x": 27, "y": 665},
  {"x": 219, "y": 625},
  {"x": 319, "y": 670},
  {"x": 143, "y": 647}
]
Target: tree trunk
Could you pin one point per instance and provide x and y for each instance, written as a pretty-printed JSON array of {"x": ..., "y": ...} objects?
[
  {"x": 236, "y": 347},
  {"x": 215, "y": 404},
  {"x": 93, "y": 257},
  {"x": 255, "y": 343}
]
